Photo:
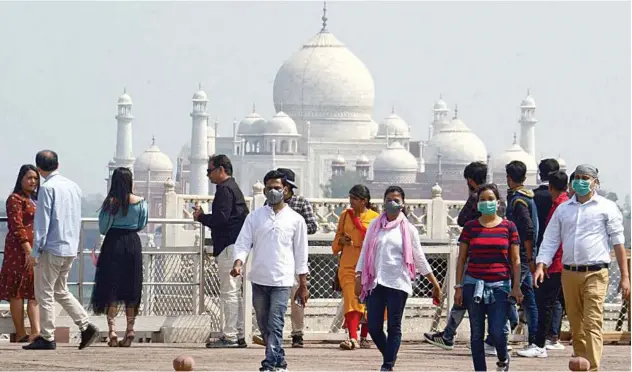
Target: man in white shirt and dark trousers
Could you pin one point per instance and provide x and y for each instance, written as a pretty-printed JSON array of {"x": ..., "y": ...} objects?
[
  {"x": 277, "y": 237},
  {"x": 586, "y": 225}
]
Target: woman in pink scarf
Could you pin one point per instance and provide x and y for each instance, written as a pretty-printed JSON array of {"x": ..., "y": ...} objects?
[{"x": 388, "y": 264}]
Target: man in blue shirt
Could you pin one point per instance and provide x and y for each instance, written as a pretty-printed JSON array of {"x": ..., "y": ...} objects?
[{"x": 57, "y": 228}]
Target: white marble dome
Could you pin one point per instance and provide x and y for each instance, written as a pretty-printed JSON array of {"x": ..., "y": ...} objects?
[
  {"x": 362, "y": 160},
  {"x": 282, "y": 124},
  {"x": 515, "y": 152},
  {"x": 200, "y": 95},
  {"x": 125, "y": 99},
  {"x": 528, "y": 102},
  {"x": 562, "y": 163},
  {"x": 339, "y": 161},
  {"x": 395, "y": 164},
  {"x": 153, "y": 160},
  {"x": 395, "y": 125},
  {"x": 440, "y": 105},
  {"x": 245, "y": 125},
  {"x": 324, "y": 79},
  {"x": 456, "y": 144}
]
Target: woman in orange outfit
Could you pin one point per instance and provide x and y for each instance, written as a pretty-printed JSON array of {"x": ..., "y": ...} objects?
[{"x": 348, "y": 241}]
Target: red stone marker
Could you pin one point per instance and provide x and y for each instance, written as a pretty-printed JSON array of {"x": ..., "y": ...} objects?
[{"x": 578, "y": 364}]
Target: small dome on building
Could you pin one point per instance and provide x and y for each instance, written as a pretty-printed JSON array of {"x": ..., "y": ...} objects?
[
  {"x": 362, "y": 160},
  {"x": 394, "y": 125},
  {"x": 339, "y": 161},
  {"x": 515, "y": 152},
  {"x": 125, "y": 99},
  {"x": 153, "y": 160},
  {"x": 456, "y": 144},
  {"x": 561, "y": 162},
  {"x": 281, "y": 123},
  {"x": 245, "y": 125},
  {"x": 440, "y": 105},
  {"x": 528, "y": 102},
  {"x": 395, "y": 158},
  {"x": 200, "y": 95}
]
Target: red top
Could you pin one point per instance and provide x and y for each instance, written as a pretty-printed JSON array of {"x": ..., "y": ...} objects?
[
  {"x": 556, "y": 264},
  {"x": 489, "y": 249}
]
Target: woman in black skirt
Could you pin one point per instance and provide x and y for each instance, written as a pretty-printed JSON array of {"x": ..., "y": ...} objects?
[{"x": 119, "y": 274}]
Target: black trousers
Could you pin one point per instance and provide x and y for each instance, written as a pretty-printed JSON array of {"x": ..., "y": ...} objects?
[{"x": 549, "y": 291}]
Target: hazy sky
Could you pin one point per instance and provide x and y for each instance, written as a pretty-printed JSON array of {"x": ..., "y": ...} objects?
[{"x": 63, "y": 66}]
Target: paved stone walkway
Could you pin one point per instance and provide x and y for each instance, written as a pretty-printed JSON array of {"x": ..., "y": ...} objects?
[{"x": 314, "y": 357}]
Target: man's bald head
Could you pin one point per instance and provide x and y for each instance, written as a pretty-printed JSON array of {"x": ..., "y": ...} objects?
[{"x": 47, "y": 161}]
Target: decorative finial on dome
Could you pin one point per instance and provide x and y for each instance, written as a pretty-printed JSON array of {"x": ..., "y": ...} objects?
[
  {"x": 393, "y": 109},
  {"x": 124, "y": 90},
  {"x": 515, "y": 138},
  {"x": 324, "y": 17},
  {"x": 440, "y": 95},
  {"x": 254, "y": 108},
  {"x": 528, "y": 92},
  {"x": 153, "y": 140},
  {"x": 456, "y": 111},
  {"x": 199, "y": 86}
]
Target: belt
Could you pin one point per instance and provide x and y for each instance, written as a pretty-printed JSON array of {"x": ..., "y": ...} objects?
[{"x": 586, "y": 268}]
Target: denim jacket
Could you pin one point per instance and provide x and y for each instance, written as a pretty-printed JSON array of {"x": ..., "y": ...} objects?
[{"x": 484, "y": 291}]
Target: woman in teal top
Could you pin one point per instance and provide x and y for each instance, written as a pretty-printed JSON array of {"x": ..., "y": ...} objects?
[{"x": 119, "y": 275}]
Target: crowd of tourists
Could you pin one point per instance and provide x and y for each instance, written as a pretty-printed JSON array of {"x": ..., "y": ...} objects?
[{"x": 532, "y": 257}]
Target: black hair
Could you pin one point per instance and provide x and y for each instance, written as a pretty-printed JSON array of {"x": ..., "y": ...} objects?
[
  {"x": 476, "y": 171},
  {"x": 120, "y": 189},
  {"x": 47, "y": 160},
  {"x": 362, "y": 192},
  {"x": 571, "y": 178},
  {"x": 546, "y": 167},
  {"x": 223, "y": 161},
  {"x": 398, "y": 189},
  {"x": 489, "y": 186},
  {"x": 23, "y": 171},
  {"x": 275, "y": 175},
  {"x": 558, "y": 180},
  {"x": 517, "y": 171}
]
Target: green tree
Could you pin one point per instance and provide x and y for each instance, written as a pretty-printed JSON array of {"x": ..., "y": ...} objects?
[{"x": 339, "y": 185}]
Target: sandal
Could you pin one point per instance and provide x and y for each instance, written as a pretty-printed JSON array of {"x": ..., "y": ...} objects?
[
  {"x": 129, "y": 338},
  {"x": 114, "y": 342},
  {"x": 365, "y": 343},
  {"x": 349, "y": 344}
]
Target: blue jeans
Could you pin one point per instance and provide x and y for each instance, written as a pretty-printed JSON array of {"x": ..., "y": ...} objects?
[
  {"x": 497, "y": 313},
  {"x": 270, "y": 305},
  {"x": 528, "y": 304},
  {"x": 394, "y": 301}
]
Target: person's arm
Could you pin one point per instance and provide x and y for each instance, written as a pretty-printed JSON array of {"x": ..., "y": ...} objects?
[
  {"x": 525, "y": 226},
  {"x": 514, "y": 254},
  {"x": 220, "y": 209},
  {"x": 15, "y": 222},
  {"x": 301, "y": 252},
  {"x": 244, "y": 242},
  {"x": 464, "y": 246},
  {"x": 143, "y": 215},
  {"x": 469, "y": 211},
  {"x": 42, "y": 219},
  {"x": 310, "y": 218},
  {"x": 336, "y": 246},
  {"x": 105, "y": 222},
  {"x": 550, "y": 241},
  {"x": 614, "y": 226}
]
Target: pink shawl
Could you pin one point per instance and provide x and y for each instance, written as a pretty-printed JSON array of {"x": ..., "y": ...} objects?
[{"x": 382, "y": 223}]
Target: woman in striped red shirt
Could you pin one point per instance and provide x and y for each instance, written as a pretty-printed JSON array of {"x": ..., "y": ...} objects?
[{"x": 491, "y": 246}]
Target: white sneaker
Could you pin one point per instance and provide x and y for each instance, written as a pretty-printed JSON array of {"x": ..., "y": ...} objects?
[
  {"x": 532, "y": 351},
  {"x": 553, "y": 345}
]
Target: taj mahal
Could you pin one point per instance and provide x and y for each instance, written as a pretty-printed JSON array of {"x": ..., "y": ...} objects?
[{"x": 324, "y": 125}]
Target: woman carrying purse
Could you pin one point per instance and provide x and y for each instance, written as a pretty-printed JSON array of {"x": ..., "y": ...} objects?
[{"x": 347, "y": 245}]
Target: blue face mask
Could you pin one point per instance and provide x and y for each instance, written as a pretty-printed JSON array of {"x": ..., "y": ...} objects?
[
  {"x": 582, "y": 187},
  {"x": 487, "y": 208},
  {"x": 392, "y": 207}
]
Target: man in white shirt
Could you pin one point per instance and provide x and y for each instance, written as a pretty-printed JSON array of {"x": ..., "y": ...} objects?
[
  {"x": 277, "y": 237},
  {"x": 586, "y": 225}
]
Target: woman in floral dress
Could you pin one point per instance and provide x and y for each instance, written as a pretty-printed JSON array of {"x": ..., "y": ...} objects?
[{"x": 16, "y": 275}]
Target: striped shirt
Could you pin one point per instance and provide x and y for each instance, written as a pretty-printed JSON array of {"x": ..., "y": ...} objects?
[{"x": 488, "y": 252}]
